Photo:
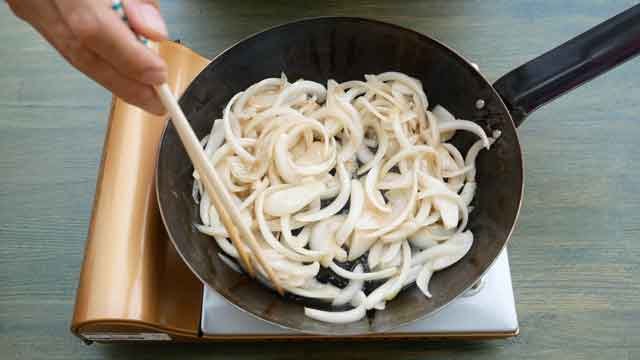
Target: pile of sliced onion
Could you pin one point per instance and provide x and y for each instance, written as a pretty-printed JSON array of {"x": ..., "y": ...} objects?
[{"x": 293, "y": 155}]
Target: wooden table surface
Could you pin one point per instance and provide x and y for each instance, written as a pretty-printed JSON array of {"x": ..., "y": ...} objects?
[{"x": 574, "y": 255}]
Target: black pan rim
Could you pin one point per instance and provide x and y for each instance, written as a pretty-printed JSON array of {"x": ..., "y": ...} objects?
[{"x": 346, "y": 19}]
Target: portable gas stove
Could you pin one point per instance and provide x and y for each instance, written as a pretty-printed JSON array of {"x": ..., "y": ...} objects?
[{"x": 135, "y": 287}]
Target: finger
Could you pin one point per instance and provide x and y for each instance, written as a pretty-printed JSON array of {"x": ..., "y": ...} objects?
[
  {"x": 100, "y": 28},
  {"x": 145, "y": 19},
  {"x": 133, "y": 92}
]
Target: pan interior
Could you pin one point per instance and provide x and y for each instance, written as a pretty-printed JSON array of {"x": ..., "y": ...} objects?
[{"x": 345, "y": 49}]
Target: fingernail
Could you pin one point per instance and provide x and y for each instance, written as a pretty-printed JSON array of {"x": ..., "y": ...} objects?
[
  {"x": 154, "y": 77},
  {"x": 153, "y": 19}
]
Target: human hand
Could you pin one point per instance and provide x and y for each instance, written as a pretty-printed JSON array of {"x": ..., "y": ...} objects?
[{"x": 93, "y": 38}]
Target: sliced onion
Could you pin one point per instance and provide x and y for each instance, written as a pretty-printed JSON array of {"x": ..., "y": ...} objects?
[
  {"x": 454, "y": 248},
  {"x": 470, "y": 159},
  {"x": 230, "y": 136},
  {"x": 240, "y": 170},
  {"x": 423, "y": 280},
  {"x": 302, "y": 239},
  {"x": 204, "y": 209},
  {"x": 468, "y": 192},
  {"x": 292, "y": 172},
  {"x": 319, "y": 168},
  {"x": 464, "y": 241},
  {"x": 292, "y": 241},
  {"x": 375, "y": 86},
  {"x": 213, "y": 230},
  {"x": 407, "y": 229},
  {"x": 444, "y": 200},
  {"x": 464, "y": 212},
  {"x": 378, "y": 295},
  {"x": 413, "y": 274},
  {"x": 310, "y": 153},
  {"x": 251, "y": 91},
  {"x": 373, "y": 195},
  {"x": 325, "y": 292},
  {"x": 395, "y": 181},
  {"x": 338, "y": 317},
  {"x": 353, "y": 89},
  {"x": 274, "y": 224},
  {"x": 336, "y": 205},
  {"x": 364, "y": 155},
  {"x": 224, "y": 169},
  {"x": 372, "y": 109},
  {"x": 467, "y": 126},
  {"x": 375, "y": 254},
  {"x": 269, "y": 115},
  {"x": 323, "y": 238},
  {"x": 263, "y": 101},
  {"x": 274, "y": 178},
  {"x": 291, "y": 199},
  {"x": 355, "y": 210},
  {"x": 375, "y": 275},
  {"x": 340, "y": 254},
  {"x": 230, "y": 263},
  {"x": 226, "y": 246},
  {"x": 390, "y": 289},
  {"x": 412, "y": 83},
  {"x": 406, "y": 153},
  {"x": 408, "y": 208},
  {"x": 371, "y": 218},
  {"x": 421, "y": 239},
  {"x": 360, "y": 243},
  {"x": 196, "y": 190},
  {"x": 216, "y": 138},
  {"x": 295, "y": 268},
  {"x": 390, "y": 252},
  {"x": 351, "y": 290},
  {"x": 404, "y": 272},
  {"x": 266, "y": 231},
  {"x": 443, "y": 116},
  {"x": 301, "y": 87},
  {"x": 259, "y": 187},
  {"x": 402, "y": 138},
  {"x": 394, "y": 262},
  {"x": 448, "y": 211},
  {"x": 383, "y": 144},
  {"x": 283, "y": 163},
  {"x": 442, "y": 256}
]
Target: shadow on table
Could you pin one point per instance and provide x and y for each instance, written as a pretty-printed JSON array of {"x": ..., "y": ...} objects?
[
  {"x": 211, "y": 26},
  {"x": 306, "y": 350}
]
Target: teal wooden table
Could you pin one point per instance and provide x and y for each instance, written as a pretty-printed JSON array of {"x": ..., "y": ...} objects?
[{"x": 574, "y": 256}]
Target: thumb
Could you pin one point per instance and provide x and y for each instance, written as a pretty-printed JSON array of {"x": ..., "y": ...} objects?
[{"x": 145, "y": 19}]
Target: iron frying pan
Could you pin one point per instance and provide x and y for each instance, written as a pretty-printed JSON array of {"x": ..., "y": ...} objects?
[{"x": 346, "y": 49}]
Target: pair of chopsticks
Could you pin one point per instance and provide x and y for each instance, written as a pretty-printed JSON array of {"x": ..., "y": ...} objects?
[{"x": 220, "y": 197}]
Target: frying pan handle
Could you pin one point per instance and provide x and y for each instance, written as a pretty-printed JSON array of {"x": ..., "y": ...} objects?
[{"x": 571, "y": 64}]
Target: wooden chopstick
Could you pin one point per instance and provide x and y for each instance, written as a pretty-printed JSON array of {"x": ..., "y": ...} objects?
[
  {"x": 221, "y": 199},
  {"x": 231, "y": 229}
]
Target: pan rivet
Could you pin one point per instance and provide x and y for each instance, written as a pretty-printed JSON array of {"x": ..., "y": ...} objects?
[{"x": 479, "y": 104}]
